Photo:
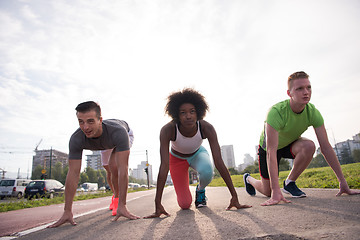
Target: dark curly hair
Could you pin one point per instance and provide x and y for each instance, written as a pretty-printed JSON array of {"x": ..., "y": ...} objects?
[{"x": 187, "y": 95}]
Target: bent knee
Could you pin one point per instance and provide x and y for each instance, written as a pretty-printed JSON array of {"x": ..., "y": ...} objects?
[
  {"x": 185, "y": 204},
  {"x": 305, "y": 147},
  {"x": 309, "y": 147},
  {"x": 206, "y": 173}
]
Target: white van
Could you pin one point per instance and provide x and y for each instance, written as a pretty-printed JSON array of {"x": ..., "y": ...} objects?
[
  {"x": 88, "y": 187},
  {"x": 13, "y": 187}
]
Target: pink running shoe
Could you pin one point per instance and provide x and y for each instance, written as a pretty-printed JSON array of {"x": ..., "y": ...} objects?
[
  {"x": 112, "y": 203},
  {"x": 115, "y": 206}
]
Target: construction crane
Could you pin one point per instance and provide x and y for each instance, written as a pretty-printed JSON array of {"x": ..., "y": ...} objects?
[{"x": 37, "y": 145}]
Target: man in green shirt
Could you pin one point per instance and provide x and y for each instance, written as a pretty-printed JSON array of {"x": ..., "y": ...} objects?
[{"x": 281, "y": 138}]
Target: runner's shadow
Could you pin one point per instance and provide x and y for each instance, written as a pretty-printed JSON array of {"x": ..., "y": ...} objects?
[
  {"x": 149, "y": 232},
  {"x": 335, "y": 207},
  {"x": 183, "y": 226},
  {"x": 225, "y": 227}
]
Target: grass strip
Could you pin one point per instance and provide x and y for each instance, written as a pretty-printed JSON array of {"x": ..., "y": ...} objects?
[
  {"x": 24, "y": 203},
  {"x": 311, "y": 178}
]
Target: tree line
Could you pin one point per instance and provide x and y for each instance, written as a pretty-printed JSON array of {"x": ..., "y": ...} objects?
[{"x": 58, "y": 172}]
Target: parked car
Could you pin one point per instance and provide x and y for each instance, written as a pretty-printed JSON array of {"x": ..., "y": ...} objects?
[
  {"x": 44, "y": 188},
  {"x": 80, "y": 189},
  {"x": 13, "y": 187},
  {"x": 90, "y": 186},
  {"x": 133, "y": 185}
]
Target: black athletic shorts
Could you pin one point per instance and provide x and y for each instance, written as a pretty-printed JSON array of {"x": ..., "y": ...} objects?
[{"x": 284, "y": 152}]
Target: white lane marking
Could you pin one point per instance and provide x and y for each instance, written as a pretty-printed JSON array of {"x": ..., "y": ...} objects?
[{"x": 31, "y": 230}]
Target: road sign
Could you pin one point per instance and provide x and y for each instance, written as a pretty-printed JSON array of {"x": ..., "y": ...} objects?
[{"x": 43, "y": 171}]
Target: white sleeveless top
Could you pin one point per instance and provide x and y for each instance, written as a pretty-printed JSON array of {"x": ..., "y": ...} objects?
[{"x": 187, "y": 145}]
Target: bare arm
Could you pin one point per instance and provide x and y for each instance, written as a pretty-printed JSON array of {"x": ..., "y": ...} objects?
[
  {"x": 272, "y": 142},
  {"x": 122, "y": 161},
  {"x": 165, "y": 136},
  {"x": 72, "y": 180},
  {"x": 210, "y": 134},
  {"x": 332, "y": 160}
]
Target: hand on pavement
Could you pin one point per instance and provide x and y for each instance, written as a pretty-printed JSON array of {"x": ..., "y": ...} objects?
[
  {"x": 275, "y": 199},
  {"x": 124, "y": 212},
  {"x": 158, "y": 212},
  {"x": 344, "y": 188},
  {"x": 234, "y": 202},
  {"x": 66, "y": 217}
]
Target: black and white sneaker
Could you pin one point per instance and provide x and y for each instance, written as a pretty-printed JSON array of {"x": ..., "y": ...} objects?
[
  {"x": 292, "y": 189},
  {"x": 248, "y": 187},
  {"x": 200, "y": 198}
]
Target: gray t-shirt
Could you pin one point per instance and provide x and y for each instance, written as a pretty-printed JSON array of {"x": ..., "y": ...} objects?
[{"x": 114, "y": 135}]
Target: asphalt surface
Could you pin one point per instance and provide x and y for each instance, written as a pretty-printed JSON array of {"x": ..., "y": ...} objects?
[{"x": 320, "y": 215}]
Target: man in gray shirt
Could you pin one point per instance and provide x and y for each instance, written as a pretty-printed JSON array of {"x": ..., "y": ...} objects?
[{"x": 112, "y": 136}]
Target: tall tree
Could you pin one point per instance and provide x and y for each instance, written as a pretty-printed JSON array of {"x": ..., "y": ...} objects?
[
  {"x": 83, "y": 178},
  {"x": 92, "y": 175},
  {"x": 356, "y": 155},
  {"x": 318, "y": 161},
  {"x": 36, "y": 173},
  {"x": 57, "y": 171},
  {"x": 101, "y": 175}
]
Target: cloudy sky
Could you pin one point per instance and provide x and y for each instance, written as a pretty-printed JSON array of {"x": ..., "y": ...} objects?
[{"x": 130, "y": 55}]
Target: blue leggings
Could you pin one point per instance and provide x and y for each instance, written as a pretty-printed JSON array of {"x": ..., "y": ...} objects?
[{"x": 179, "y": 166}]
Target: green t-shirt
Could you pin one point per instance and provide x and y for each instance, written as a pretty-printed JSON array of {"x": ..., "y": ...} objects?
[{"x": 290, "y": 125}]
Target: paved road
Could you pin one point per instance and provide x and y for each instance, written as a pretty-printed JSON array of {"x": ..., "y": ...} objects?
[{"x": 321, "y": 215}]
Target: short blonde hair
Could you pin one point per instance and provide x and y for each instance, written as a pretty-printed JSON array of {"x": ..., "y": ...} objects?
[{"x": 296, "y": 75}]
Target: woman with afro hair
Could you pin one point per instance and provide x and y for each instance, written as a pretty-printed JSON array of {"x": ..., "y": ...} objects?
[{"x": 186, "y": 132}]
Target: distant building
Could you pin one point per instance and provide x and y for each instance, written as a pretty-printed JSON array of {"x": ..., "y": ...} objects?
[
  {"x": 347, "y": 147},
  {"x": 139, "y": 172},
  {"x": 45, "y": 158},
  {"x": 357, "y": 137},
  {"x": 248, "y": 160},
  {"x": 94, "y": 160},
  {"x": 227, "y": 154}
]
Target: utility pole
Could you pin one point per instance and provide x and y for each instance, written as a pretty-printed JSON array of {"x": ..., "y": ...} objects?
[
  {"x": 147, "y": 169},
  {"x": 50, "y": 162}
]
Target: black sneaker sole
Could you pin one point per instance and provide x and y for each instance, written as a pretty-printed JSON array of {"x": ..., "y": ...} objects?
[
  {"x": 301, "y": 196},
  {"x": 200, "y": 205},
  {"x": 248, "y": 187}
]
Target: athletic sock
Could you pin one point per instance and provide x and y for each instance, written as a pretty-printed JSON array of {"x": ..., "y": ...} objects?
[{"x": 287, "y": 181}]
